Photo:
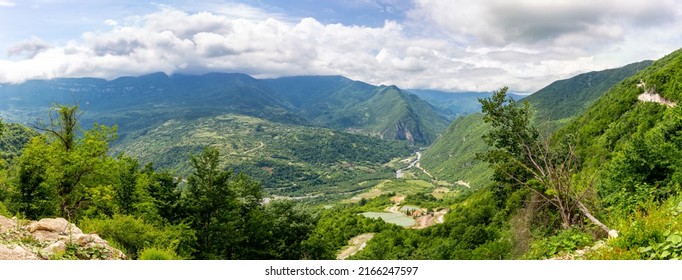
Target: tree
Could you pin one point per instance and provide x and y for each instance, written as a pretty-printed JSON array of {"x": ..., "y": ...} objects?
[
  {"x": 522, "y": 158},
  {"x": 59, "y": 162},
  {"x": 211, "y": 206},
  {"x": 163, "y": 188}
]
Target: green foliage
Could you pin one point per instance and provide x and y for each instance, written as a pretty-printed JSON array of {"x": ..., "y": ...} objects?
[
  {"x": 647, "y": 233},
  {"x": 670, "y": 249},
  {"x": 164, "y": 190},
  {"x": 211, "y": 204},
  {"x": 563, "y": 241},
  {"x": 453, "y": 156},
  {"x": 334, "y": 228},
  {"x": 134, "y": 234},
  {"x": 13, "y": 138},
  {"x": 157, "y": 254},
  {"x": 648, "y": 167},
  {"x": 33, "y": 196},
  {"x": 59, "y": 167},
  {"x": 511, "y": 141},
  {"x": 277, "y": 232}
]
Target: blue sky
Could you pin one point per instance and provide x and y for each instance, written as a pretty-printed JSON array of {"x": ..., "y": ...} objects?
[{"x": 467, "y": 45}]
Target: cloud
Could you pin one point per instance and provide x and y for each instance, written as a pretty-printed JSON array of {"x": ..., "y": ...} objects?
[
  {"x": 7, "y": 3},
  {"x": 28, "y": 49},
  {"x": 465, "y": 57},
  {"x": 500, "y": 22},
  {"x": 110, "y": 22}
]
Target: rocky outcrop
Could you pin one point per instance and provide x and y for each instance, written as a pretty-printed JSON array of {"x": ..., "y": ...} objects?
[{"x": 51, "y": 239}]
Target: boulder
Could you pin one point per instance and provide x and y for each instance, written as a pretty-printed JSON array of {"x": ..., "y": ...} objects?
[
  {"x": 49, "y": 238},
  {"x": 7, "y": 224},
  {"x": 15, "y": 252},
  {"x": 57, "y": 225},
  {"x": 58, "y": 247}
]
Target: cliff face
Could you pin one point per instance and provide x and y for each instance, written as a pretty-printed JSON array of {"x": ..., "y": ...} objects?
[{"x": 51, "y": 239}]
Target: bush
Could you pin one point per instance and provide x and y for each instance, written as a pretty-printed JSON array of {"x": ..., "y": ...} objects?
[
  {"x": 157, "y": 254},
  {"x": 134, "y": 234},
  {"x": 564, "y": 241}
]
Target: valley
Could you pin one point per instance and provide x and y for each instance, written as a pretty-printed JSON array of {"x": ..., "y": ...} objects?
[{"x": 324, "y": 167}]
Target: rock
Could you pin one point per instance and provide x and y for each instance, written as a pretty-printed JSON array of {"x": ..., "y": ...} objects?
[
  {"x": 53, "y": 229},
  {"x": 85, "y": 239},
  {"x": 57, "y": 225},
  {"x": 613, "y": 233},
  {"x": 58, "y": 247},
  {"x": 15, "y": 252},
  {"x": 7, "y": 224},
  {"x": 50, "y": 237}
]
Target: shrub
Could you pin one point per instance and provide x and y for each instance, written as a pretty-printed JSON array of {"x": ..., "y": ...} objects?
[
  {"x": 157, "y": 254},
  {"x": 564, "y": 241}
]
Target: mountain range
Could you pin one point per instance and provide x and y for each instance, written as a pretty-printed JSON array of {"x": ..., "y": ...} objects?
[{"x": 321, "y": 101}]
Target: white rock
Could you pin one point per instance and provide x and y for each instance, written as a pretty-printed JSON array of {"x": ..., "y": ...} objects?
[
  {"x": 613, "y": 233},
  {"x": 57, "y": 225},
  {"x": 58, "y": 247}
]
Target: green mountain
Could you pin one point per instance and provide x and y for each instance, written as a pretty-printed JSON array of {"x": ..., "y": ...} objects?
[
  {"x": 632, "y": 134},
  {"x": 565, "y": 99},
  {"x": 392, "y": 113},
  {"x": 453, "y": 159},
  {"x": 385, "y": 111},
  {"x": 135, "y": 103},
  {"x": 453, "y": 156},
  {"x": 287, "y": 159},
  {"x": 455, "y": 104},
  {"x": 297, "y": 135}
]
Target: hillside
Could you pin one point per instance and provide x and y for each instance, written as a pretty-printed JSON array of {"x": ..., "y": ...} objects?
[
  {"x": 568, "y": 98},
  {"x": 392, "y": 113},
  {"x": 453, "y": 156},
  {"x": 139, "y": 103},
  {"x": 453, "y": 159},
  {"x": 452, "y": 104},
  {"x": 634, "y": 140},
  {"x": 384, "y": 111},
  {"x": 455, "y": 104},
  {"x": 286, "y": 159}
]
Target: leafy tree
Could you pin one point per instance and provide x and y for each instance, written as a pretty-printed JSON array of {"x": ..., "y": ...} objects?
[
  {"x": 212, "y": 206},
  {"x": 508, "y": 140},
  {"x": 59, "y": 166},
  {"x": 163, "y": 188},
  {"x": 33, "y": 196},
  {"x": 521, "y": 159}
]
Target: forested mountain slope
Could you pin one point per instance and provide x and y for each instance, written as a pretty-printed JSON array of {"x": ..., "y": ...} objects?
[
  {"x": 135, "y": 103},
  {"x": 634, "y": 141},
  {"x": 452, "y": 156}
]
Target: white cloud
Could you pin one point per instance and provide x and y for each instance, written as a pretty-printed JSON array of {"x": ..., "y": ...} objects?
[
  {"x": 110, "y": 22},
  {"x": 7, "y": 3},
  {"x": 482, "y": 55}
]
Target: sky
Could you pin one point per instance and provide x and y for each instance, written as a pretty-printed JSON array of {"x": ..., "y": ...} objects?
[{"x": 453, "y": 45}]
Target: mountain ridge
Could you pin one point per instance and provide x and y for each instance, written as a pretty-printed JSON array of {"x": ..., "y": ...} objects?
[{"x": 307, "y": 100}]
